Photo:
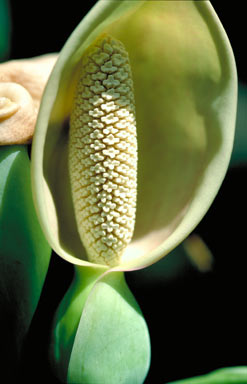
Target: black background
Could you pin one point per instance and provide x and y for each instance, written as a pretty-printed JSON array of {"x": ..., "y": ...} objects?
[{"x": 197, "y": 322}]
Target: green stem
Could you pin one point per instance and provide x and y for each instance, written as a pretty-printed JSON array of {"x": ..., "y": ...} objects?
[{"x": 68, "y": 316}]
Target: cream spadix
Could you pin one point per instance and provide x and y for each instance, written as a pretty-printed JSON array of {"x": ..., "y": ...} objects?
[{"x": 103, "y": 151}]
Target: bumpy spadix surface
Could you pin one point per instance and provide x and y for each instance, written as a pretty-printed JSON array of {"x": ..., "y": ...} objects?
[{"x": 103, "y": 152}]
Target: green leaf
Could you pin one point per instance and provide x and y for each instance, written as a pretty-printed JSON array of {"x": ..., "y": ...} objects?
[
  {"x": 110, "y": 338},
  {"x": 232, "y": 375},
  {"x": 239, "y": 154},
  {"x": 24, "y": 252},
  {"x": 4, "y": 29},
  {"x": 112, "y": 343}
]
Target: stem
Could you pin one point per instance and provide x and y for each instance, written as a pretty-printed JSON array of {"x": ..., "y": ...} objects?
[{"x": 68, "y": 316}]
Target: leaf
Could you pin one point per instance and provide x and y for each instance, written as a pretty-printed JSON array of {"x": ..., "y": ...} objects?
[
  {"x": 24, "y": 252},
  {"x": 112, "y": 342},
  {"x": 239, "y": 154},
  {"x": 4, "y": 29},
  {"x": 232, "y": 375}
]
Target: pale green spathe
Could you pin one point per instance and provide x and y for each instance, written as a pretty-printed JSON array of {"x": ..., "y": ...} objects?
[{"x": 186, "y": 91}]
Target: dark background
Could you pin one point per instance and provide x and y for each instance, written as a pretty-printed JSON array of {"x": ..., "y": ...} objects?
[{"x": 197, "y": 321}]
